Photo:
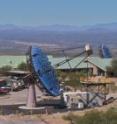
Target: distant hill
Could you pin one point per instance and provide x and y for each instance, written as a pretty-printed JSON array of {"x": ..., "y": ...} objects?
[{"x": 14, "y": 39}]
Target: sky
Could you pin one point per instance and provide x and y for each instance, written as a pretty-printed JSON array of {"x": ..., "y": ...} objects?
[{"x": 63, "y": 12}]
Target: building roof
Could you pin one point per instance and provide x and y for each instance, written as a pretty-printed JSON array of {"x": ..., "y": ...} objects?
[
  {"x": 101, "y": 63},
  {"x": 73, "y": 63},
  {"x": 13, "y": 61}
]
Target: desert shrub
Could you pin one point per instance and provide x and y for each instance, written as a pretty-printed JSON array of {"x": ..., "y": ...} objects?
[
  {"x": 22, "y": 66},
  {"x": 70, "y": 78},
  {"x": 94, "y": 117},
  {"x": 5, "y": 68},
  {"x": 112, "y": 69}
]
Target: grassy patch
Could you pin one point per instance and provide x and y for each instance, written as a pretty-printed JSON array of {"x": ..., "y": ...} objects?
[{"x": 94, "y": 117}]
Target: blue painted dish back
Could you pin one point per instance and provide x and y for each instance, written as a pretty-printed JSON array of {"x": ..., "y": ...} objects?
[{"x": 44, "y": 71}]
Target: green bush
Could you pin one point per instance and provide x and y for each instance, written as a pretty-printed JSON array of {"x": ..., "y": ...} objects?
[
  {"x": 22, "y": 66},
  {"x": 5, "y": 68},
  {"x": 112, "y": 70},
  {"x": 72, "y": 76}
]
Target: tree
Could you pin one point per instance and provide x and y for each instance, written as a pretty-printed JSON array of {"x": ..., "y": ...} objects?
[
  {"x": 5, "y": 68},
  {"x": 22, "y": 66},
  {"x": 112, "y": 70}
]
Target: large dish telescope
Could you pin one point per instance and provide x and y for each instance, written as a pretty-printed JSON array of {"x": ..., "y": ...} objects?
[{"x": 44, "y": 72}]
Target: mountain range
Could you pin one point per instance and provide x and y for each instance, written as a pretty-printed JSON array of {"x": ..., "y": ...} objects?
[{"x": 14, "y": 39}]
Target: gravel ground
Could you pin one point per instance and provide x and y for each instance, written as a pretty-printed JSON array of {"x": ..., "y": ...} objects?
[{"x": 18, "y": 97}]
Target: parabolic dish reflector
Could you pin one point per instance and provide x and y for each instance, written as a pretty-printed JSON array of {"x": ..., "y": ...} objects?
[{"x": 44, "y": 71}]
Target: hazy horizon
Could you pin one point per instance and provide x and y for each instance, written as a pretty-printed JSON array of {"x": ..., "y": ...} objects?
[{"x": 57, "y": 24}]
